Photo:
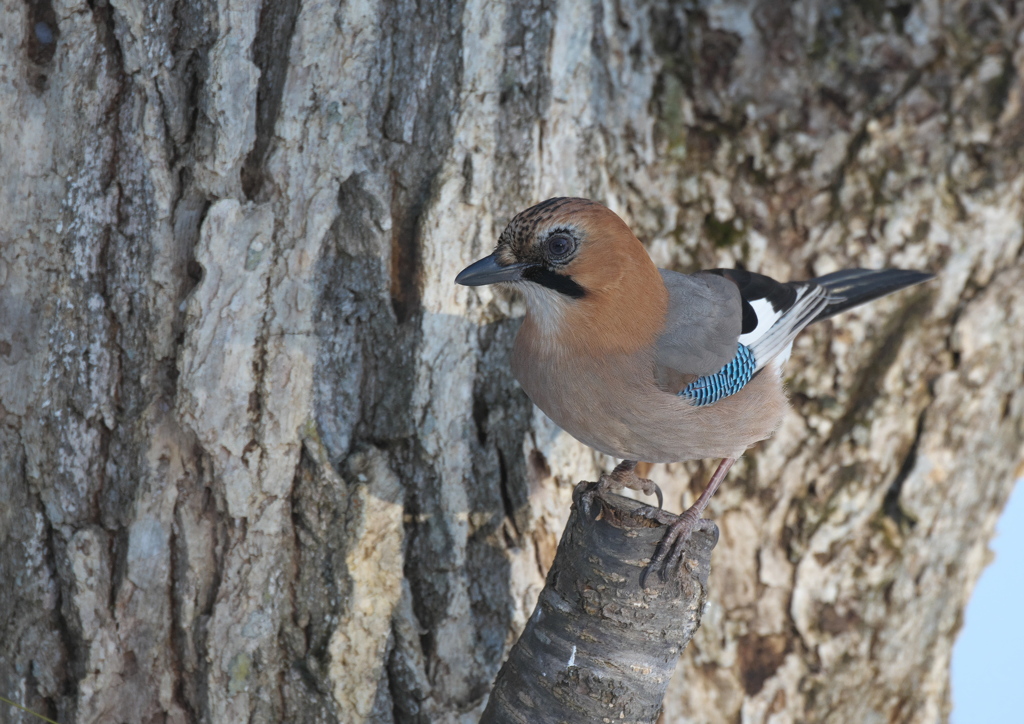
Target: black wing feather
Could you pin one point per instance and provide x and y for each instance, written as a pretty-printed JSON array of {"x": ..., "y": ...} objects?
[
  {"x": 752, "y": 286},
  {"x": 795, "y": 305},
  {"x": 852, "y": 287}
]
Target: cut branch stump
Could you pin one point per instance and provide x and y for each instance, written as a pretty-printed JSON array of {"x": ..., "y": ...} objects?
[{"x": 598, "y": 647}]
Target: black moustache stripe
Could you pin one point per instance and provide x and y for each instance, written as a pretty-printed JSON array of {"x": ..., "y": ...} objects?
[{"x": 561, "y": 283}]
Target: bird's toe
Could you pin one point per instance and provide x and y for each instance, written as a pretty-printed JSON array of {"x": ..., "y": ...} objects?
[{"x": 670, "y": 548}]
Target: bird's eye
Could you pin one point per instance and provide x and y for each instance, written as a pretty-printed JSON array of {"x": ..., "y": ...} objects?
[{"x": 559, "y": 246}]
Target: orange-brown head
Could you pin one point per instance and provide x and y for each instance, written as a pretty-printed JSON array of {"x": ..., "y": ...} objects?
[{"x": 588, "y": 281}]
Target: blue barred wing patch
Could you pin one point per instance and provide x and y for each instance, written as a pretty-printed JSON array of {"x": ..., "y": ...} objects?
[{"x": 727, "y": 381}]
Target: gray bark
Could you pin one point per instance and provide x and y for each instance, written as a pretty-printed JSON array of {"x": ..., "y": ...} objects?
[
  {"x": 598, "y": 646},
  {"x": 260, "y": 459}
]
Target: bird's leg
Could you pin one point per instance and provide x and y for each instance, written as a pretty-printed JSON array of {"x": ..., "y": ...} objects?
[
  {"x": 670, "y": 549},
  {"x": 624, "y": 476}
]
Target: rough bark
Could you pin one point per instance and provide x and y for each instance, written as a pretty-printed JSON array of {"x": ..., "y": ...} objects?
[
  {"x": 260, "y": 460},
  {"x": 598, "y": 646}
]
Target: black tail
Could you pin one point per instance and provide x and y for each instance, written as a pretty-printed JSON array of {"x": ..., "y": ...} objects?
[{"x": 853, "y": 287}]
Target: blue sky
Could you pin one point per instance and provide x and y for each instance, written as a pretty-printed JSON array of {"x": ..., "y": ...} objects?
[{"x": 988, "y": 658}]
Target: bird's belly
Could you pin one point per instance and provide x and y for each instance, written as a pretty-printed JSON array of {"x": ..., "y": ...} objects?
[{"x": 617, "y": 408}]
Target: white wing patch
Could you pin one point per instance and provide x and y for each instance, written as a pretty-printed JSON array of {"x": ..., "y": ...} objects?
[
  {"x": 777, "y": 339},
  {"x": 766, "y": 317}
]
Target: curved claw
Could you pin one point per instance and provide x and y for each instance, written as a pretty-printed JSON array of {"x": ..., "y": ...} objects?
[
  {"x": 674, "y": 556},
  {"x": 643, "y": 576},
  {"x": 624, "y": 476},
  {"x": 670, "y": 547}
]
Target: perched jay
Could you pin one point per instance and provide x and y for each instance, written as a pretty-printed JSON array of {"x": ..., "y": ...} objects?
[{"x": 647, "y": 364}]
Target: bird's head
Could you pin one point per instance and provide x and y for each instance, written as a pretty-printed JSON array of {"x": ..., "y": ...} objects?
[{"x": 574, "y": 260}]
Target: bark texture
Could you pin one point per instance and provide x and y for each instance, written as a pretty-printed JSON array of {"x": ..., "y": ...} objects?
[
  {"x": 598, "y": 646},
  {"x": 260, "y": 460}
]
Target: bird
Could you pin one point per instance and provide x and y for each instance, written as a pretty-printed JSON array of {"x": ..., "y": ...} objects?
[{"x": 653, "y": 365}]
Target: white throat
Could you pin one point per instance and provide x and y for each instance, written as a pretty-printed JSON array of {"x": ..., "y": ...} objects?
[{"x": 547, "y": 307}]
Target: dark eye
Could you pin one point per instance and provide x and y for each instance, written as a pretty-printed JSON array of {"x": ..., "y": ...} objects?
[{"x": 559, "y": 246}]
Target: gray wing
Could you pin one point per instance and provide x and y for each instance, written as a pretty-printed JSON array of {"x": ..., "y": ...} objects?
[{"x": 702, "y": 330}]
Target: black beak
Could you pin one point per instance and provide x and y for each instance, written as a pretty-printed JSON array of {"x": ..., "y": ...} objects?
[{"x": 489, "y": 271}]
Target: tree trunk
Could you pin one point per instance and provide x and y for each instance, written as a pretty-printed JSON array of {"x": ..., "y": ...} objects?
[{"x": 263, "y": 461}]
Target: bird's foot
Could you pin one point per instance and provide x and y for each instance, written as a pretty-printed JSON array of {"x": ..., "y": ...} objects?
[
  {"x": 670, "y": 550},
  {"x": 624, "y": 476}
]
